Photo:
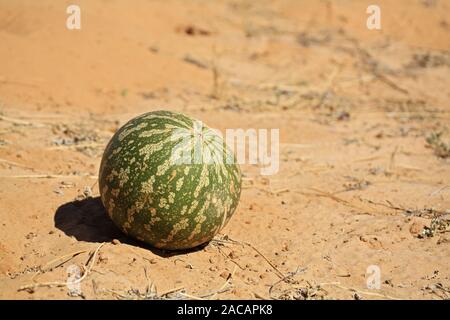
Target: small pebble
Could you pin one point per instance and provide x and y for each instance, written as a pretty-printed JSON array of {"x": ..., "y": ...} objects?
[
  {"x": 115, "y": 242},
  {"x": 212, "y": 260}
]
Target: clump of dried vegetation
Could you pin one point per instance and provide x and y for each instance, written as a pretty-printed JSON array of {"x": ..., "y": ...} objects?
[
  {"x": 440, "y": 148},
  {"x": 438, "y": 225}
]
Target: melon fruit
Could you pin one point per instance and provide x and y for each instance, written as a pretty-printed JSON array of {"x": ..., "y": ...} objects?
[{"x": 168, "y": 180}]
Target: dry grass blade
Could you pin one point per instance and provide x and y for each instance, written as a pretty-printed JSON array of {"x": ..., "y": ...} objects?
[
  {"x": 47, "y": 176},
  {"x": 66, "y": 258},
  {"x": 230, "y": 241},
  {"x": 21, "y": 122},
  {"x": 12, "y": 163},
  {"x": 438, "y": 191},
  {"x": 169, "y": 291},
  {"x": 278, "y": 272},
  {"x": 78, "y": 145},
  {"x": 320, "y": 193}
]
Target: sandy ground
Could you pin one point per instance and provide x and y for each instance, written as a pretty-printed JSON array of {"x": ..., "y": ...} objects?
[{"x": 362, "y": 180}]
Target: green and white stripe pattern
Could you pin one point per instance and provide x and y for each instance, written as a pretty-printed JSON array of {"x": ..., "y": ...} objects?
[{"x": 155, "y": 197}]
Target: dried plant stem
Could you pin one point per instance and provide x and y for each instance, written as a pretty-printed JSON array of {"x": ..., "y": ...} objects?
[
  {"x": 277, "y": 271},
  {"x": 66, "y": 256},
  {"x": 320, "y": 193},
  {"x": 165, "y": 293},
  {"x": 337, "y": 284},
  {"x": 86, "y": 271}
]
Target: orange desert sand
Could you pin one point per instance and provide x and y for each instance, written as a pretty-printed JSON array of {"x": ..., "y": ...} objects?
[{"x": 364, "y": 175}]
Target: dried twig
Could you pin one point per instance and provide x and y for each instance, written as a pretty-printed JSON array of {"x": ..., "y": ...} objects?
[{"x": 232, "y": 260}]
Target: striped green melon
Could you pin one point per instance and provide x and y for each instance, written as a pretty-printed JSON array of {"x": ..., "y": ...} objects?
[{"x": 168, "y": 181}]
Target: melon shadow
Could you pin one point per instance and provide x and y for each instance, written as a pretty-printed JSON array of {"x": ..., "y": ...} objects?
[{"x": 87, "y": 220}]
